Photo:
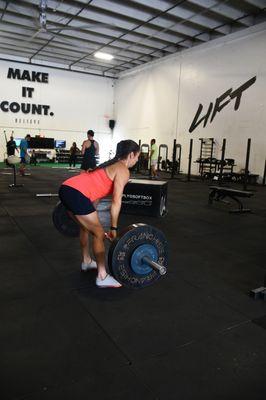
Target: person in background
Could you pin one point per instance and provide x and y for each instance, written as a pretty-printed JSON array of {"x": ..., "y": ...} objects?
[
  {"x": 89, "y": 150},
  {"x": 11, "y": 147},
  {"x": 73, "y": 154},
  {"x": 24, "y": 145},
  {"x": 33, "y": 158},
  {"x": 154, "y": 159},
  {"x": 80, "y": 194}
]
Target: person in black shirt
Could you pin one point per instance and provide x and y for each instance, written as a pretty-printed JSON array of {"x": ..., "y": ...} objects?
[
  {"x": 90, "y": 149},
  {"x": 11, "y": 147},
  {"x": 73, "y": 154},
  {"x": 33, "y": 158}
]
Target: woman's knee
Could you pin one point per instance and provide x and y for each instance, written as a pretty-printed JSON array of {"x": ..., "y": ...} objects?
[
  {"x": 99, "y": 233},
  {"x": 91, "y": 224}
]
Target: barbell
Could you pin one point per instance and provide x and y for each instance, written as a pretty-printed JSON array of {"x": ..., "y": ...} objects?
[
  {"x": 137, "y": 258},
  {"x": 63, "y": 222}
]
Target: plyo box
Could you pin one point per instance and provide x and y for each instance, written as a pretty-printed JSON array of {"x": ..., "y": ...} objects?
[{"x": 145, "y": 197}]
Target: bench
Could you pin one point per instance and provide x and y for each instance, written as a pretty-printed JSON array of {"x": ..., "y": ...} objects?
[{"x": 219, "y": 193}]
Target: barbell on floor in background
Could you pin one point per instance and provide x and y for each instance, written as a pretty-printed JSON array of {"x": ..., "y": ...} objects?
[{"x": 46, "y": 194}]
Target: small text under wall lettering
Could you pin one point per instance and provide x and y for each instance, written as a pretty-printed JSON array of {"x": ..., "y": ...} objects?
[{"x": 27, "y": 121}]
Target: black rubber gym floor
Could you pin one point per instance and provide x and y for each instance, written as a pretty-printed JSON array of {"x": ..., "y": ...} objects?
[{"x": 195, "y": 334}]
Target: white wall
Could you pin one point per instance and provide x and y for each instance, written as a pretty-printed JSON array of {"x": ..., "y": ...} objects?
[
  {"x": 161, "y": 99},
  {"x": 146, "y": 104},
  {"x": 79, "y": 102}
]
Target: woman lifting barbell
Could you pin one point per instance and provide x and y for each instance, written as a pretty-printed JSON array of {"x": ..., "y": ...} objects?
[{"x": 79, "y": 195}]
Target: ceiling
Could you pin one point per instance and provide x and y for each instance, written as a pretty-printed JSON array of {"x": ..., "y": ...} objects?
[{"x": 67, "y": 33}]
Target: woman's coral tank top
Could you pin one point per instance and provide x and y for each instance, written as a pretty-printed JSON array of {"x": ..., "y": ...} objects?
[{"x": 94, "y": 185}]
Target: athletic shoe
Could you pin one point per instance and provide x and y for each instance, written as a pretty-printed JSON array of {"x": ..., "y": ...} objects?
[
  {"x": 87, "y": 267},
  {"x": 108, "y": 282}
]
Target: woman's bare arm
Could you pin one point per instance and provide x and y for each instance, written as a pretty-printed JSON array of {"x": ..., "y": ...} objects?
[
  {"x": 120, "y": 180},
  {"x": 96, "y": 145},
  {"x": 86, "y": 144}
]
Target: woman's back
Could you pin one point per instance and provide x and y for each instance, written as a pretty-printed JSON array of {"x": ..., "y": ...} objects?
[
  {"x": 94, "y": 185},
  {"x": 89, "y": 160},
  {"x": 116, "y": 168}
]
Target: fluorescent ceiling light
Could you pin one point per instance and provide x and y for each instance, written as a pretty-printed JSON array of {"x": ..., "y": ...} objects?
[{"x": 103, "y": 56}]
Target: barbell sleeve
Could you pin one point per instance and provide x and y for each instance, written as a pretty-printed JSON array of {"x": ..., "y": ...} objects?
[
  {"x": 160, "y": 268},
  {"x": 46, "y": 194}
]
